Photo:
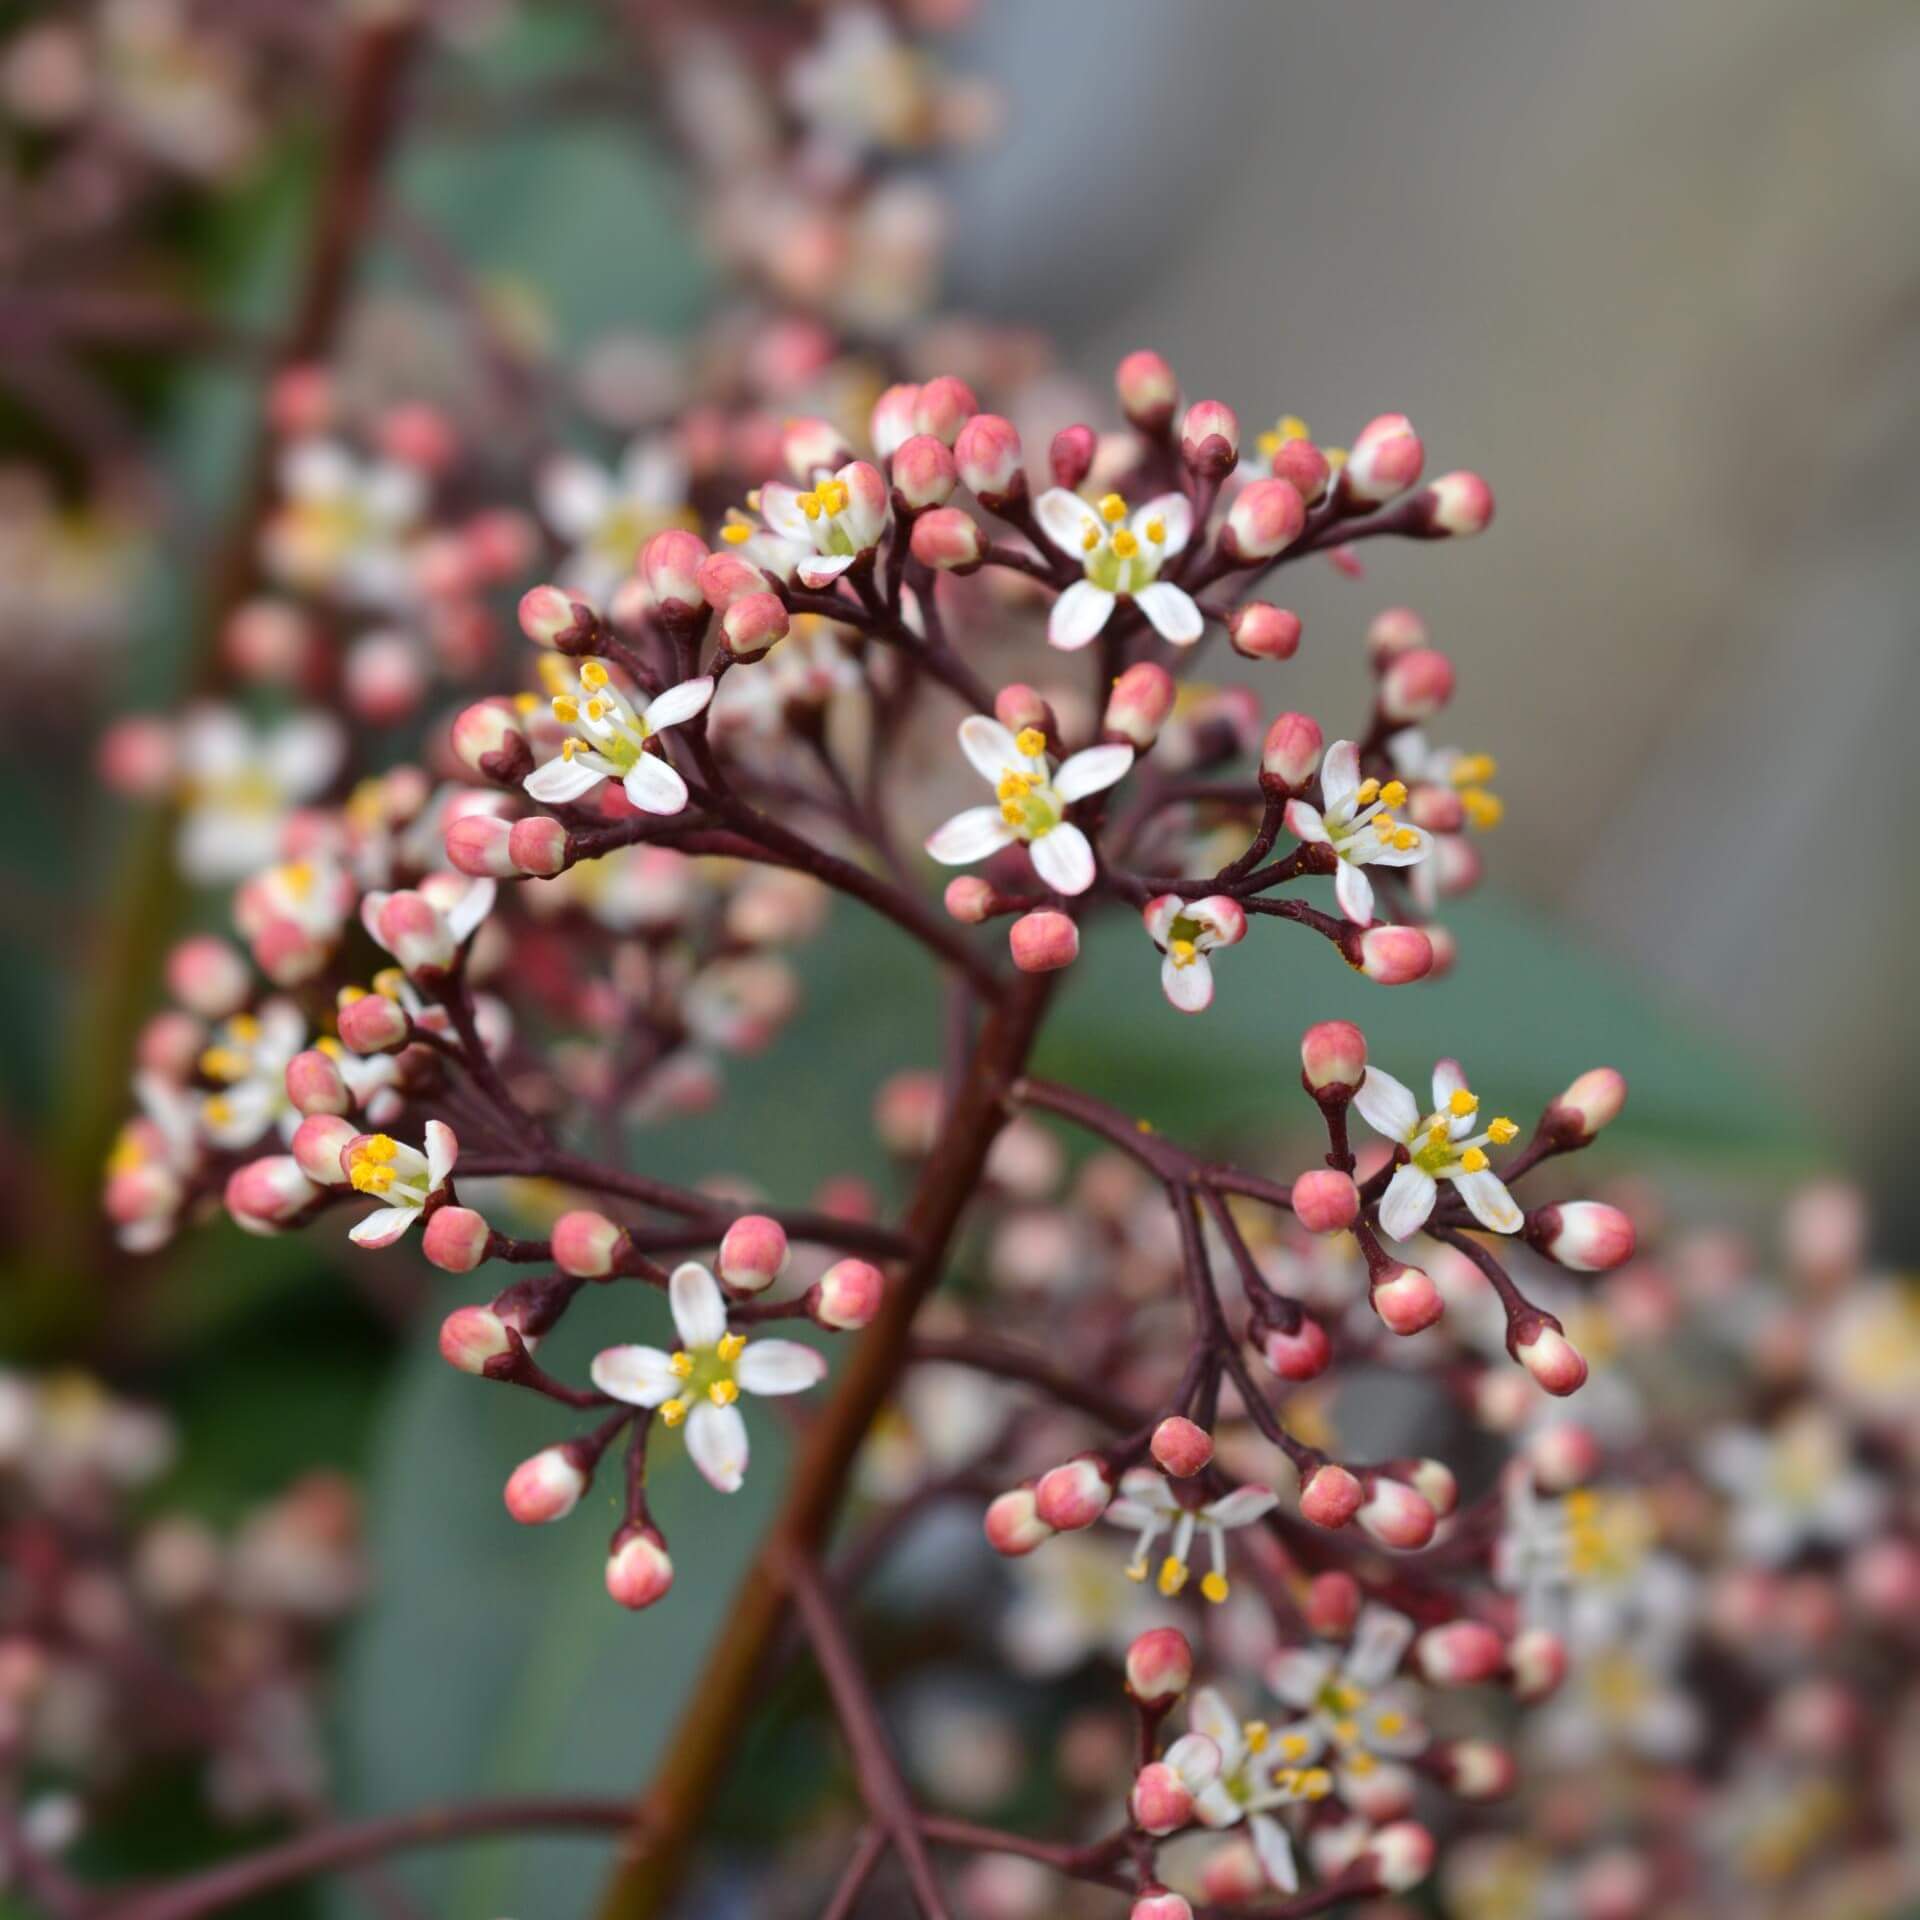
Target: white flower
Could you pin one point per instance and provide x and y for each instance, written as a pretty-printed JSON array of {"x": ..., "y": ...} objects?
[
  {"x": 1416, "y": 758},
  {"x": 1444, "y": 1147},
  {"x": 1032, "y": 802},
  {"x": 1067, "y": 1606},
  {"x": 1186, "y": 931},
  {"x": 609, "y": 514},
  {"x": 1149, "y": 1504},
  {"x": 239, "y": 783},
  {"x": 702, "y": 1378},
  {"x": 344, "y": 525},
  {"x": 1356, "y": 820},
  {"x": 1234, "y": 1773},
  {"x": 1121, "y": 562},
  {"x": 1352, "y": 1710},
  {"x": 401, "y": 1177},
  {"x": 247, "y": 1055},
  {"x": 613, "y": 737},
  {"x": 816, "y": 533},
  {"x": 1794, "y": 1487}
]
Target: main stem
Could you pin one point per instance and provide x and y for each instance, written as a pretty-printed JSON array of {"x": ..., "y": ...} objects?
[{"x": 721, "y": 1700}]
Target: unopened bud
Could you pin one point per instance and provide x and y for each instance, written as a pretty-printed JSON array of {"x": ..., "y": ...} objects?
[
  {"x": 725, "y": 577},
  {"x": 1266, "y": 518},
  {"x": 1400, "y": 1855},
  {"x": 924, "y": 471},
  {"x": 988, "y": 455},
  {"x": 753, "y": 624},
  {"x": 1161, "y": 1801},
  {"x": 1460, "y": 1654},
  {"x": 546, "y": 1487},
  {"x": 848, "y": 1295},
  {"x": 1458, "y": 505},
  {"x": 471, "y": 1337},
  {"x": 1552, "y": 1359},
  {"x": 548, "y": 616},
  {"x": 892, "y": 423},
  {"x": 456, "y": 1239},
  {"x": 538, "y": 846},
  {"x": 1147, "y": 389},
  {"x": 949, "y": 540},
  {"x": 488, "y": 740},
  {"x": 1394, "y": 956},
  {"x": 943, "y": 406},
  {"x": 317, "y": 1144},
  {"x": 1585, "y": 1235},
  {"x": 1013, "y": 1524},
  {"x": 1406, "y": 1299},
  {"x": 638, "y": 1569},
  {"x": 969, "y": 899},
  {"x": 1396, "y": 1516},
  {"x": 1210, "y": 438},
  {"x": 1395, "y": 631},
  {"x": 371, "y": 1023},
  {"x": 753, "y": 1253},
  {"x": 1333, "y": 1604},
  {"x": 1325, "y": 1201},
  {"x": 1017, "y": 706},
  {"x": 1592, "y": 1103},
  {"x": 1477, "y": 1769},
  {"x": 1070, "y": 457},
  {"x": 1416, "y": 686},
  {"x": 1385, "y": 460},
  {"x": 1261, "y": 631},
  {"x": 1138, "y": 705},
  {"x": 809, "y": 445},
  {"x": 266, "y": 1195},
  {"x": 1180, "y": 1447},
  {"x": 585, "y": 1244},
  {"x": 1074, "y": 1495},
  {"x": 1159, "y": 1666},
  {"x": 1303, "y": 467},
  {"x": 208, "y": 976},
  {"x": 1537, "y": 1662},
  {"x": 1290, "y": 756},
  {"x": 1158, "y": 1904},
  {"x": 315, "y": 1085},
  {"x": 481, "y": 844},
  {"x": 1301, "y": 1354},
  {"x": 1043, "y": 941},
  {"x": 1331, "y": 1496}
]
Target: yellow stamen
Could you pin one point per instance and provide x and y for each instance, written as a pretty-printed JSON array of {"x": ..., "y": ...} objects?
[
  {"x": 1502, "y": 1131},
  {"x": 810, "y": 505},
  {"x": 593, "y": 674},
  {"x": 1461, "y": 1103},
  {"x": 1474, "y": 1161},
  {"x": 1173, "y": 1576},
  {"x": 673, "y": 1411},
  {"x": 1183, "y": 953},
  {"x": 1156, "y": 531},
  {"x": 569, "y": 747},
  {"x": 1394, "y": 793},
  {"x": 732, "y": 1346},
  {"x": 1125, "y": 544},
  {"x": 1347, "y": 1732},
  {"x": 1031, "y": 741},
  {"x": 224, "y": 1063},
  {"x": 1214, "y": 1586},
  {"x": 1405, "y": 839},
  {"x": 1437, "y": 1134},
  {"x": 1255, "y": 1733},
  {"x": 1292, "y": 427},
  {"x": 681, "y": 1365},
  {"x": 1369, "y": 792},
  {"x": 1090, "y": 540},
  {"x": 1112, "y": 508},
  {"x": 566, "y": 709},
  {"x": 1388, "y": 1724},
  {"x": 1295, "y": 1746},
  {"x": 1136, "y": 1570},
  {"x": 1316, "y": 1783},
  {"x": 736, "y": 533},
  {"x": 1484, "y": 809},
  {"x": 723, "y": 1393},
  {"x": 1474, "y": 770}
]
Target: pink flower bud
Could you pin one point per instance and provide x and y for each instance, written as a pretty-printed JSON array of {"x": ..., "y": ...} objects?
[
  {"x": 893, "y": 421},
  {"x": 371, "y": 1023},
  {"x": 266, "y": 1195},
  {"x": 1325, "y": 1201},
  {"x": 1043, "y": 941},
  {"x": 670, "y": 565},
  {"x": 314, "y": 1084},
  {"x": 1180, "y": 1447},
  {"x": 1070, "y": 457},
  {"x": 1406, "y": 1299},
  {"x": 538, "y": 846},
  {"x": 1333, "y": 1058},
  {"x": 1396, "y": 1516},
  {"x": 208, "y": 976},
  {"x": 969, "y": 899},
  {"x": 456, "y": 1239},
  {"x": 1232, "y": 1874},
  {"x": 1331, "y": 1496},
  {"x": 848, "y": 1295},
  {"x": 1477, "y": 1769},
  {"x": 586, "y": 1243},
  {"x": 546, "y": 1487},
  {"x": 169, "y": 1044},
  {"x": 1385, "y": 461},
  {"x": 753, "y": 1253},
  {"x": 638, "y": 1570},
  {"x": 1148, "y": 390},
  {"x": 1401, "y": 1856},
  {"x": 1138, "y": 705},
  {"x": 1537, "y": 1661},
  {"x": 1592, "y": 1103},
  {"x": 1460, "y": 1654},
  {"x": 1304, "y": 468},
  {"x": 318, "y": 1143},
  {"x": 1333, "y": 1604},
  {"x": 1266, "y": 518},
  {"x": 1552, "y": 1359},
  {"x": 942, "y": 407},
  {"x": 1013, "y": 1523},
  {"x": 471, "y": 1337},
  {"x": 1262, "y": 631},
  {"x": 1563, "y": 1456},
  {"x": 1160, "y": 1801},
  {"x": 1883, "y": 1577},
  {"x": 547, "y": 615},
  {"x": 489, "y": 740},
  {"x": 1074, "y": 1495},
  {"x": 481, "y": 844},
  {"x": 1434, "y": 1481},
  {"x": 1585, "y": 1235},
  {"x": 809, "y": 444},
  {"x": 1395, "y": 631},
  {"x": 1210, "y": 438},
  {"x": 1159, "y": 1666},
  {"x": 1018, "y": 705},
  {"x": 724, "y": 578},
  {"x": 924, "y": 471},
  {"x": 1391, "y": 955},
  {"x": 1290, "y": 756},
  {"x": 1158, "y": 1904},
  {"x": 1300, "y": 1355},
  {"x": 753, "y": 624},
  {"x": 988, "y": 454},
  {"x": 1459, "y": 504},
  {"x": 949, "y": 540},
  {"x": 415, "y": 932},
  {"x": 1416, "y": 686}
]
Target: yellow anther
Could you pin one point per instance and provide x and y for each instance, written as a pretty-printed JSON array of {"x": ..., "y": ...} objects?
[
  {"x": 1369, "y": 792},
  {"x": 224, "y": 1063},
  {"x": 593, "y": 674},
  {"x": 1347, "y": 1732},
  {"x": 566, "y": 709},
  {"x": 526, "y": 705},
  {"x": 1385, "y": 826},
  {"x": 1460, "y": 1103},
  {"x": 219, "y": 1110},
  {"x": 1136, "y": 1570},
  {"x": 348, "y": 995},
  {"x": 569, "y": 747},
  {"x": 1394, "y": 793},
  {"x": 732, "y": 1346},
  {"x": 1125, "y": 544},
  {"x": 1295, "y": 1746},
  {"x": 331, "y": 1047},
  {"x": 596, "y": 709},
  {"x": 723, "y": 1393},
  {"x": 1183, "y": 953},
  {"x": 1474, "y": 1161},
  {"x": 681, "y": 1365},
  {"x": 1389, "y": 1724},
  {"x": 1031, "y": 741},
  {"x": 297, "y": 877},
  {"x": 1405, "y": 839},
  {"x": 1360, "y": 1763},
  {"x": 1292, "y": 427},
  {"x": 1316, "y": 1783},
  {"x": 1256, "y": 1734},
  {"x": 834, "y": 495},
  {"x": 244, "y": 1028},
  {"x": 1437, "y": 1134},
  {"x": 1014, "y": 785},
  {"x": 1336, "y": 458},
  {"x": 1156, "y": 531},
  {"x": 736, "y": 533},
  {"x": 1474, "y": 769},
  {"x": 1173, "y": 1576},
  {"x": 1484, "y": 809},
  {"x": 553, "y": 673},
  {"x": 1267, "y": 444},
  {"x": 1112, "y": 508},
  {"x": 1502, "y": 1131},
  {"x": 1214, "y": 1586},
  {"x": 1090, "y": 540},
  {"x": 809, "y": 504},
  {"x": 381, "y": 1147},
  {"x": 1012, "y": 812},
  {"x": 673, "y": 1411}
]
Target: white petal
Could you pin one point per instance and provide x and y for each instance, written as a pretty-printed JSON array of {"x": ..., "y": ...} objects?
[
  {"x": 1171, "y": 611},
  {"x": 779, "y": 1366},
  {"x": 1381, "y": 855},
  {"x": 442, "y": 1150},
  {"x": 1063, "y": 858},
  {"x": 641, "y": 1376},
  {"x": 990, "y": 748},
  {"x": 1298, "y": 1675},
  {"x": 1304, "y": 823},
  {"x": 383, "y": 1226},
  {"x": 573, "y": 495},
  {"x": 1242, "y": 1506},
  {"x": 1196, "y": 1760},
  {"x": 1189, "y": 988},
  {"x": 1078, "y": 615},
  {"x": 679, "y": 703},
  {"x": 1354, "y": 891},
  {"x": 1449, "y": 1078},
  {"x": 471, "y": 908},
  {"x": 1208, "y": 1713},
  {"x": 824, "y": 571},
  {"x": 1339, "y": 774},
  {"x": 1176, "y": 512},
  {"x": 1275, "y": 1852},
  {"x": 1064, "y": 517},
  {"x": 561, "y": 780},
  {"x": 969, "y": 836},
  {"x": 717, "y": 1445},
  {"x": 1092, "y": 770},
  {"x": 781, "y": 509},
  {"x": 1407, "y": 1202},
  {"x": 652, "y": 472},
  {"x": 1487, "y": 1200},
  {"x": 304, "y": 754},
  {"x": 699, "y": 1307},
  {"x": 1214, "y": 1806},
  {"x": 655, "y": 787},
  {"x": 1386, "y": 1106},
  {"x": 1380, "y": 1637}
]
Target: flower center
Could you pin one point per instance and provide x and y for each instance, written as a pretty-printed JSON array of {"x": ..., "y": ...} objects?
[
  {"x": 373, "y": 1168},
  {"x": 705, "y": 1373},
  {"x": 1027, "y": 803}
]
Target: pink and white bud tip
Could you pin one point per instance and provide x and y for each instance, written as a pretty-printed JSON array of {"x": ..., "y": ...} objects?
[
  {"x": 545, "y": 1487},
  {"x": 1180, "y": 1447},
  {"x": 638, "y": 1569},
  {"x": 1159, "y": 1666}
]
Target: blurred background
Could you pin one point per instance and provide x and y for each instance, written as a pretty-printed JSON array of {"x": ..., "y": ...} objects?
[{"x": 1653, "y": 270}]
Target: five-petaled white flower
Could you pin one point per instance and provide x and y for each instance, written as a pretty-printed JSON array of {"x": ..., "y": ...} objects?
[
  {"x": 1352, "y": 1712},
  {"x": 345, "y": 525},
  {"x": 246, "y": 1056},
  {"x": 1186, "y": 931},
  {"x": 613, "y": 738},
  {"x": 1794, "y": 1487},
  {"x": 1235, "y": 1773},
  {"x": 1031, "y": 802},
  {"x": 239, "y": 782},
  {"x": 609, "y": 514},
  {"x": 1356, "y": 819},
  {"x": 402, "y": 1178},
  {"x": 814, "y": 532},
  {"x": 702, "y": 1378},
  {"x": 1443, "y": 1146},
  {"x": 1122, "y": 560},
  {"x": 1149, "y": 1504}
]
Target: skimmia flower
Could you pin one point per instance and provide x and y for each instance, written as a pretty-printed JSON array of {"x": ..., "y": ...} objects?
[
  {"x": 345, "y": 525},
  {"x": 613, "y": 737},
  {"x": 1149, "y": 1505},
  {"x": 1352, "y": 1712},
  {"x": 1794, "y": 1487},
  {"x": 239, "y": 783},
  {"x": 1443, "y": 1146},
  {"x": 1123, "y": 557},
  {"x": 1186, "y": 931},
  {"x": 1356, "y": 819},
  {"x": 701, "y": 1379},
  {"x": 246, "y": 1056},
  {"x": 1031, "y": 802},
  {"x": 609, "y": 514},
  {"x": 1251, "y": 1779},
  {"x": 814, "y": 532},
  {"x": 401, "y": 1178}
]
